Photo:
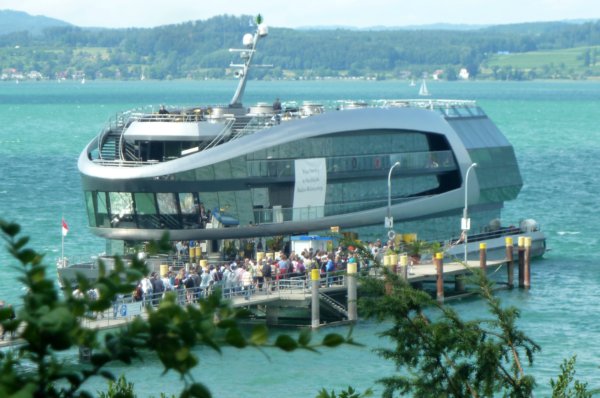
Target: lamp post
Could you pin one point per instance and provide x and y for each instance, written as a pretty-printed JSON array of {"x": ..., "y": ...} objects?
[
  {"x": 466, "y": 221},
  {"x": 389, "y": 221}
]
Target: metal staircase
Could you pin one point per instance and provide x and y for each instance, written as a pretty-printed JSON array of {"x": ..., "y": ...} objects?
[
  {"x": 334, "y": 304},
  {"x": 110, "y": 148}
]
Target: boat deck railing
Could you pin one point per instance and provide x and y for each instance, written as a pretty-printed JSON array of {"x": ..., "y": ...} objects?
[{"x": 236, "y": 127}]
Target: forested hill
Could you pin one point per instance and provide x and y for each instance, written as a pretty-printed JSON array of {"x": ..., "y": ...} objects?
[{"x": 199, "y": 50}]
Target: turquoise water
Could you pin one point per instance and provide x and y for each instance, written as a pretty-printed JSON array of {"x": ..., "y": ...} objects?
[{"x": 552, "y": 125}]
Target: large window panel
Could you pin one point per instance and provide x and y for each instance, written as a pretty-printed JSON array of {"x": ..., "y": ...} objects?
[
  {"x": 121, "y": 210},
  {"x": 210, "y": 200},
  {"x": 102, "y": 217},
  {"x": 169, "y": 213},
  {"x": 145, "y": 207},
  {"x": 145, "y": 203},
  {"x": 189, "y": 210},
  {"x": 238, "y": 168},
  {"x": 223, "y": 170},
  {"x": 228, "y": 204},
  {"x": 89, "y": 205},
  {"x": 166, "y": 203},
  {"x": 244, "y": 207},
  {"x": 206, "y": 173}
]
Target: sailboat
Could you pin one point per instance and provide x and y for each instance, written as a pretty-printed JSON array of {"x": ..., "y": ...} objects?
[
  {"x": 412, "y": 83},
  {"x": 423, "y": 92}
]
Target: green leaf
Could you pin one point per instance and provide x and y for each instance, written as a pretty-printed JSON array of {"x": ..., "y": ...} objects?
[
  {"x": 196, "y": 390},
  {"x": 11, "y": 229},
  {"x": 305, "y": 337},
  {"x": 286, "y": 343},
  {"x": 235, "y": 338},
  {"x": 333, "y": 340},
  {"x": 260, "y": 334}
]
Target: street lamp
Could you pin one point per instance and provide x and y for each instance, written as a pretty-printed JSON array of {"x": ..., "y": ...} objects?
[
  {"x": 389, "y": 221},
  {"x": 466, "y": 221}
]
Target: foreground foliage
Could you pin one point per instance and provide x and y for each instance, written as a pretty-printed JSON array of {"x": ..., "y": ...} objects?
[
  {"x": 439, "y": 354},
  {"x": 48, "y": 324}
]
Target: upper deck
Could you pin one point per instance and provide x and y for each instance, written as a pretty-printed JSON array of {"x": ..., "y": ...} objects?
[{"x": 141, "y": 138}]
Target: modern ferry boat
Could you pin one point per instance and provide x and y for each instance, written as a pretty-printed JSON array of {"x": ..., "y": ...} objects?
[{"x": 214, "y": 172}]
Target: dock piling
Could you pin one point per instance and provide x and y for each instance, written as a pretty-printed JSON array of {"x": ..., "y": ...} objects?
[
  {"x": 510, "y": 266},
  {"x": 439, "y": 266},
  {"x": 526, "y": 263},
  {"x": 521, "y": 253},
  {"x": 483, "y": 257},
  {"x": 315, "y": 313},
  {"x": 352, "y": 307},
  {"x": 404, "y": 266}
]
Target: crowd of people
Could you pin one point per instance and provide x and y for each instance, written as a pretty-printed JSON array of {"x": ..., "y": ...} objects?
[{"x": 245, "y": 277}]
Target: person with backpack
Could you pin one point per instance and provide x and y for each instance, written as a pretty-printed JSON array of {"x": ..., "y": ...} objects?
[
  {"x": 329, "y": 270},
  {"x": 158, "y": 288},
  {"x": 267, "y": 273}
]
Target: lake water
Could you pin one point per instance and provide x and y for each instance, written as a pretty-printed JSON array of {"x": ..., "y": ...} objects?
[{"x": 552, "y": 125}]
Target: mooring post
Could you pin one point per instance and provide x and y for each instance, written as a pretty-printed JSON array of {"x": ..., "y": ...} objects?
[
  {"x": 192, "y": 252},
  {"x": 352, "y": 308},
  {"x": 404, "y": 266},
  {"x": 439, "y": 267},
  {"x": 510, "y": 265},
  {"x": 526, "y": 266},
  {"x": 483, "y": 257},
  {"x": 521, "y": 254},
  {"x": 315, "y": 315}
]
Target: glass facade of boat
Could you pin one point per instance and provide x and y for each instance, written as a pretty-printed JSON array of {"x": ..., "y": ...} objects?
[{"x": 258, "y": 188}]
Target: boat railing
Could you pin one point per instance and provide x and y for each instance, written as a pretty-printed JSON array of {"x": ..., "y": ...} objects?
[
  {"x": 277, "y": 214},
  {"x": 415, "y": 162}
]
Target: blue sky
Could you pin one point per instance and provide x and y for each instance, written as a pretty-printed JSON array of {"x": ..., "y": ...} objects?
[{"x": 356, "y": 13}]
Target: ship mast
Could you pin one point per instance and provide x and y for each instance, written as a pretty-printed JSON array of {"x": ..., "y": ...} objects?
[{"x": 249, "y": 41}]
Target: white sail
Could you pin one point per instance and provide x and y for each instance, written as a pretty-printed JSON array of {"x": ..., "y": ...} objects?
[{"x": 423, "y": 89}]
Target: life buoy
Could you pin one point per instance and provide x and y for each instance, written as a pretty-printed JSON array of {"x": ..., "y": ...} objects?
[{"x": 391, "y": 234}]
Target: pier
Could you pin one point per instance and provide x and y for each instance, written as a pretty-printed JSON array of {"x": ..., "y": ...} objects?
[
  {"x": 316, "y": 299},
  {"x": 324, "y": 299}
]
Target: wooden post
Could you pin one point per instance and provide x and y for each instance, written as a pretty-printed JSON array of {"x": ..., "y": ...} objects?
[
  {"x": 352, "y": 308},
  {"x": 315, "y": 314},
  {"x": 521, "y": 253},
  {"x": 510, "y": 265},
  {"x": 439, "y": 266},
  {"x": 526, "y": 264},
  {"x": 482, "y": 257}
]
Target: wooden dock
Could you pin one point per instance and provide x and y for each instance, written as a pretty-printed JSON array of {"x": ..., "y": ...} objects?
[{"x": 299, "y": 292}]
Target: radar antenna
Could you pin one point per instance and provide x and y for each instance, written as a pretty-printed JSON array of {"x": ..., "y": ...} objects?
[{"x": 247, "y": 53}]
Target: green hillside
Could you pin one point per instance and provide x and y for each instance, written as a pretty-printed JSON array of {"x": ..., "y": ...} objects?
[
  {"x": 574, "y": 63},
  {"x": 199, "y": 50}
]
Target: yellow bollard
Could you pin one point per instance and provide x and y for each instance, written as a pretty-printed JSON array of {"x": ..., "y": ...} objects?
[
  {"x": 164, "y": 268},
  {"x": 439, "y": 267},
  {"x": 482, "y": 256},
  {"x": 314, "y": 275},
  {"x": 352, "y": 269}
]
